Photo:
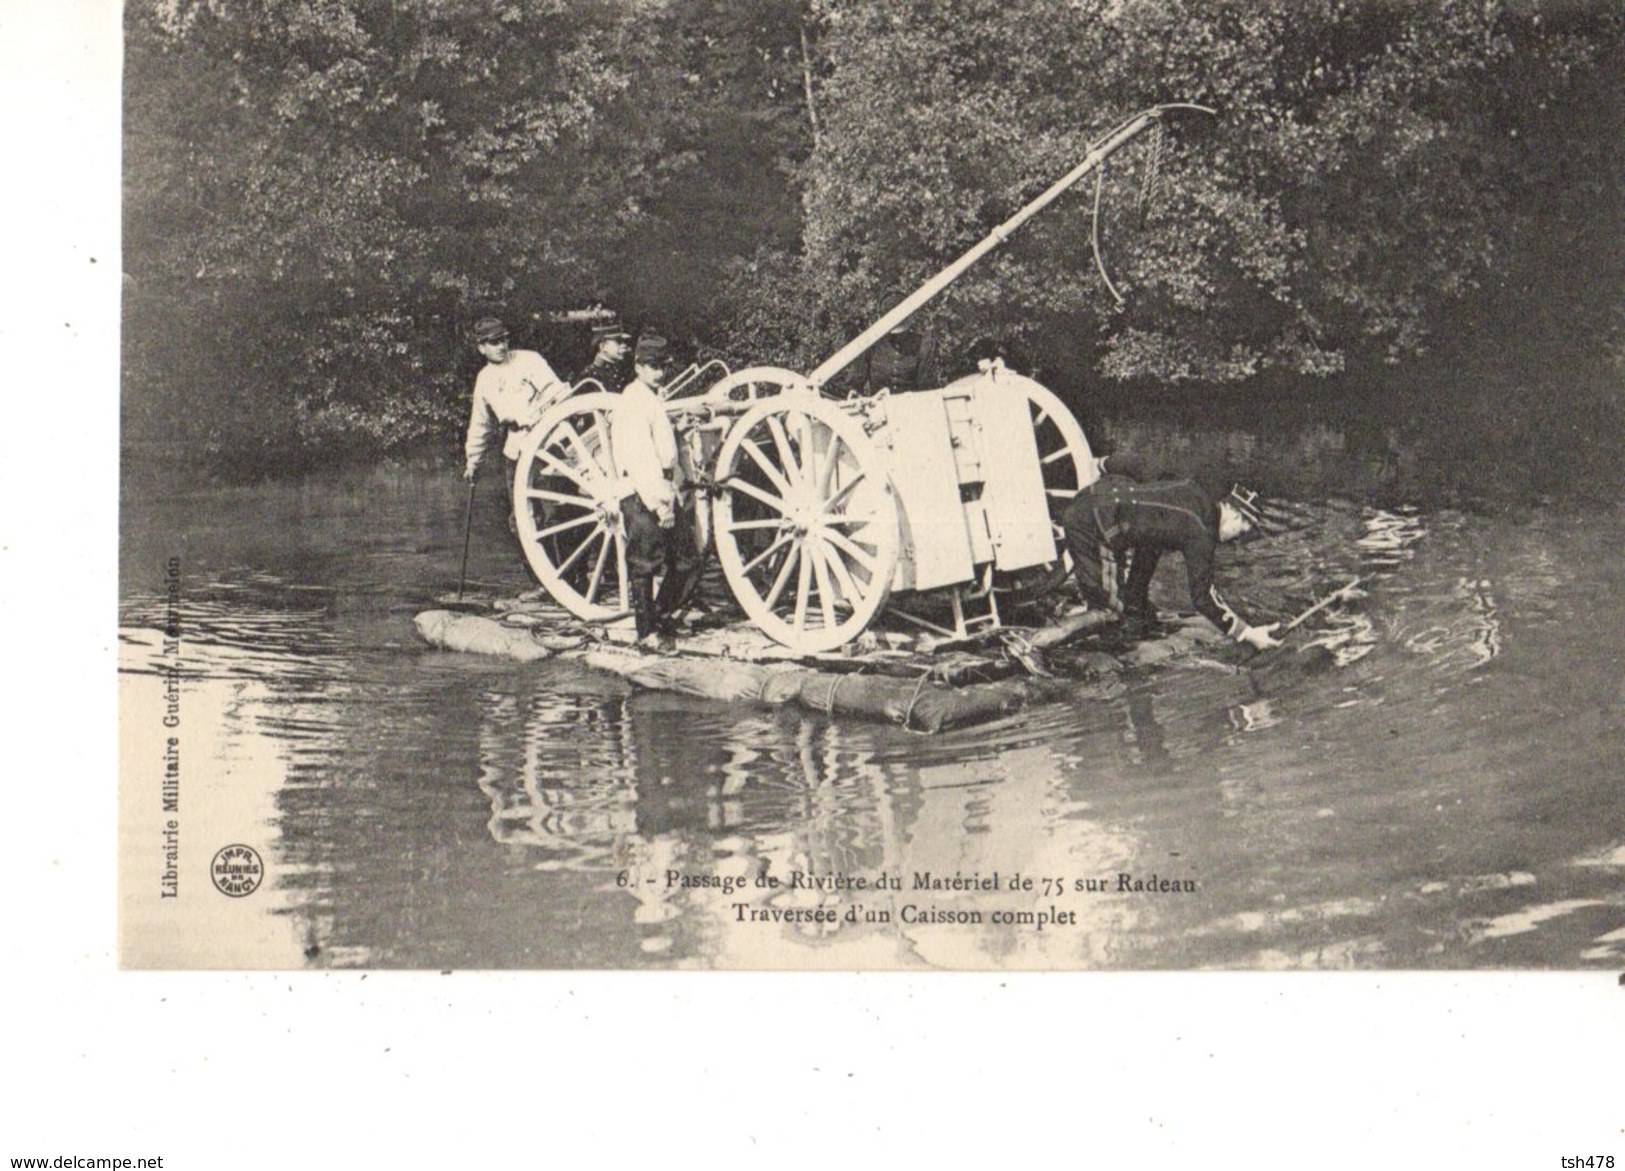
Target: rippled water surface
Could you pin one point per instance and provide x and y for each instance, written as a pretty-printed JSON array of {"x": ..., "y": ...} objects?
[{"x": 1447, "y": 794}]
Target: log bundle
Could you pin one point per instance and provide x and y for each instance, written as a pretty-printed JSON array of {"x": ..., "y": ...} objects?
[
  {"x": 927, "y": 701},
  {"x": 954, "y": 685},
  {"x": 922, "y": 704}
]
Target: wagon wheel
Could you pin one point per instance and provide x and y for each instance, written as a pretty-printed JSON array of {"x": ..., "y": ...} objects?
[
  {"x": 567, "y": 502},
  {"x": 1068, "y": 466},
  {"x": 756, "y": 382},
  {"x": 806, "y": 522}
]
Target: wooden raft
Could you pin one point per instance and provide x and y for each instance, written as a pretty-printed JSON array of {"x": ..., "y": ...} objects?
[{"x": 919, "y": 684}]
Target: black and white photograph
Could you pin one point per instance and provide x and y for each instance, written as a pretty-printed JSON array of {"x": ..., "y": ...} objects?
[
  {"x": 657, "y": 515},
  {"x": 727, "y": 484}
]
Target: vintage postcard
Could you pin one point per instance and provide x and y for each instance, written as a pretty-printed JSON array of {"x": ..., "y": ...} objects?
[
  {"x": 1058, "y": 486},
  {"x": 308, "y": 782}
]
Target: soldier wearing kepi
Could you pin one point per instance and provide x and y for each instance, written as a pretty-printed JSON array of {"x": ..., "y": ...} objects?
[
  {"x": 659, "y": 510},
  {"x": 903, "y": 360},
  {"x": 611, "y": 365},
  {"x": 1116, "y": 514},
  {"x": 510, "y": 396}
]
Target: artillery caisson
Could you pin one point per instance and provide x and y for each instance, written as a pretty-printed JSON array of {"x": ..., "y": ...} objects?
[{"x": 824, "y": 511}]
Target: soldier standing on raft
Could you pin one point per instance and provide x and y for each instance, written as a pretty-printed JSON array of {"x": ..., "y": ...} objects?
[
  {"x": 1117, "y": 514},
  {"x": 611, "y": 365},
  {"x": 659, "y": 511},
  {"x": 903, "y": 360},
  {"x": 510, "y": 396}
]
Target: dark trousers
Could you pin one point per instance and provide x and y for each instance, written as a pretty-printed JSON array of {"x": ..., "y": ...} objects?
[
  {"x": 652, "y": 550},
  {"x": 1095, "y": 566},
  {"x": 511, "y": 468},
  {"x": 1098, "y": 566}
]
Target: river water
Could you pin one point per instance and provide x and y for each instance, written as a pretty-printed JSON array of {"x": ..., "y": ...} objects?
[{"x": 1447, "y": 795}]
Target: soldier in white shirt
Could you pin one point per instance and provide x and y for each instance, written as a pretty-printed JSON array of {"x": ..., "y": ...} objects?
[
  {"x": 510, "y": 396},
  {"x": 659, "y": 511}
]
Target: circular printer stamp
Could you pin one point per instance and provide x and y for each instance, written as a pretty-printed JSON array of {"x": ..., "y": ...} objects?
[{"x": 237, "y": 870}]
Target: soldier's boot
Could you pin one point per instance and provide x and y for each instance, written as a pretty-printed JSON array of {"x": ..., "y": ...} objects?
[
  {"x": 643, "y": 605},
  {"x": 675, "y": 589}
]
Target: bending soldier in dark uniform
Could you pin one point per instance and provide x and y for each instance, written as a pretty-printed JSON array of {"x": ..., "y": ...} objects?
[{"x": 1116, "y": 514}]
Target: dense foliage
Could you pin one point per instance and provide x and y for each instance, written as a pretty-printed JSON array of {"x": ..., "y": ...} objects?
[
  {"x": 321, "y": 194},
  {"x": 1370, "y": 164}
]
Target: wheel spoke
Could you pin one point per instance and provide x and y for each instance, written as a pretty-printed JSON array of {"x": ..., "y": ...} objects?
[
  {"x": 826, "y": 602},
  {"x": 551, "y": 464},
  {"x": 568, "y": 434},
  {"x": 739, "y": 526},
  {"x": 601, "y": 455},
  {"x": 1058, "y": 453},
  {"x": 832, "y": 458},
  {"x": 774, "y": 502},
  {"x": 750, "y": 448},
  {"x": 843, "y": 577},
  {"x": 766, "y": 553},
  {"x": 560, "y": 498},
  {"x": 584, "y": 454},
  {"x": 564, "y": 566},
  {"x": 851, "y": 548},
  {"x": 1061, "y": 493},
  {"x": 599, "y": 428},
  {"x": 772, "y": 596},
  {"x": 597, "y": 573},
  {"x": 554, "y": 530},
  {"x": 839, "y": 498},
  {"x": 856, "y": 520},
  {"x": 803, "y": 587},
  {"x": 782, "y": 441}
]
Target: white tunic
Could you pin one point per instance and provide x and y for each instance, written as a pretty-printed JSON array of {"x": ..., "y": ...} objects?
[
  {"x": 510, "y": 397},
  {"x": 644, "y": 446}
]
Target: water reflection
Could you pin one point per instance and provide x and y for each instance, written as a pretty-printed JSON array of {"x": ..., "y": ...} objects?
[
  {"x": 745, "y": 823},
  {"x": 1446, "y": 795},
  {"x": 570, "y": 812},
  {"x": 764, "y": 841}
]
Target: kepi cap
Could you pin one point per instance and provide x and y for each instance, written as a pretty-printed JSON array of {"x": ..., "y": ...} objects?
[
  {"x": 611, "y": 330},
  {"x": 1255, "y": 510},
  {"x": 651, "y": 350},
  {"x": 489, "y": 329}
]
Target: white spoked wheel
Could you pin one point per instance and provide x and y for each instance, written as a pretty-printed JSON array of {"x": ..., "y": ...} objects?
[
  {"x": 756, "y": 382},
  {"x": 567, "y": 502},
  {"x": 1068, "y": 466},
  {"x": 806, "y": 523}
]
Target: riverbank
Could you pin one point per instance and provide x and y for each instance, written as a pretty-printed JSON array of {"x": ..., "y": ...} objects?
[{"x": 1477, "y": 426}]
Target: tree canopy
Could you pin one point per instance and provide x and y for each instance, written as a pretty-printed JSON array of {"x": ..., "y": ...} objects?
[
  {"x": 320, "y": 194},
  {"x": 1370, "y": 163}
]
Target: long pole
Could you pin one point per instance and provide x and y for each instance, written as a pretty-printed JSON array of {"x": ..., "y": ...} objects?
[
  {"x": 1320, "y": 605},
  {"x": 1102, "y": 149},
  {"x": 468, "y": 530},
  {"x": 1261, "y": 660}
]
